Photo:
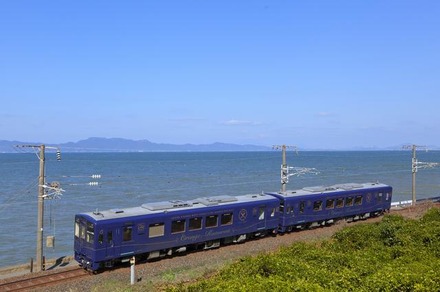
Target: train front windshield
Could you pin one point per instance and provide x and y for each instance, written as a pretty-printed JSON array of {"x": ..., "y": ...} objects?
[{"x": 84, "y": 230}]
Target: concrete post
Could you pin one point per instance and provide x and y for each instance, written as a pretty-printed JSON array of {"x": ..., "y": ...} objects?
[{"x": 132, "y": 272}]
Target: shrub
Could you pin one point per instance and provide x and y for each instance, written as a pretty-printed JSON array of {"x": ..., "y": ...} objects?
[{"x": 396, "y": 254}]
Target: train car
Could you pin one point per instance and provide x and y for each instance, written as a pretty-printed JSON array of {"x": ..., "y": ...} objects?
[
  {"x": 316, "y": 206},
  {"x": 154, "y": 230}
]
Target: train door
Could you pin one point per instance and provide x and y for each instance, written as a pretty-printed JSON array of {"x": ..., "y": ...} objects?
[
  {"x": 80, "y": 235},
  {"x": 261, "y": 210},
  {"x": 111, "y": 232}
]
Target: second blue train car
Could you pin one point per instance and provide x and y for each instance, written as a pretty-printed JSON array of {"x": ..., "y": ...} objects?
[{"x": 316, "y": 206}]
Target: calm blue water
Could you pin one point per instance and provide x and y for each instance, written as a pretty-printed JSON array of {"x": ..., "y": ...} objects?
[{"x": 131, "y": 179}]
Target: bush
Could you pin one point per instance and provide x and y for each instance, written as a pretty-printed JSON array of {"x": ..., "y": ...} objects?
[{"x": 396, "y": 254}]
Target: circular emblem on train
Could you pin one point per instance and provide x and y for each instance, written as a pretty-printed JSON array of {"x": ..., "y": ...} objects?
[
  {"x": 369, "y": 197},
  {"x": 242, "y": 215}
]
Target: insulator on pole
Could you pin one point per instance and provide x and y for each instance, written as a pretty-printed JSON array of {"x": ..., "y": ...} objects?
[
  {"x": 414, "y": 165},
  {"x": 58, "y": 155}
]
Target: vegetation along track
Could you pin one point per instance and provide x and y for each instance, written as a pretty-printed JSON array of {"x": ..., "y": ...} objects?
[{"x": 42, "y": 280}]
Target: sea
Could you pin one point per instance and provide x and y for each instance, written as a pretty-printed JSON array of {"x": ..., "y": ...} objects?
[{"x": 100, "y": 181}]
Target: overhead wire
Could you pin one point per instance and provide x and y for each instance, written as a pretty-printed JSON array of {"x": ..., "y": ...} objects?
[{"x": 16, "y": 198}]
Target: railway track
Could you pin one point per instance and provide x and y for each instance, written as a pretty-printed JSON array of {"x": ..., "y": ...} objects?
[{"x": 42, "y": 280}]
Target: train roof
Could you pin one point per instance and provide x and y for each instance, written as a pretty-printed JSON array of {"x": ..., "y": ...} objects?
[
  {"x": 307, "y": 191},
  {"x": 176, "y": 205}
]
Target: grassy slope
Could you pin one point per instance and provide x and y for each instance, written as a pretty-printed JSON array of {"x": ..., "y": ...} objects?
[{"x": 396, "y": 254}]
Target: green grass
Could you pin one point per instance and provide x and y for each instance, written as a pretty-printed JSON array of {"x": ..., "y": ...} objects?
[{"x": 395, "y": 254}]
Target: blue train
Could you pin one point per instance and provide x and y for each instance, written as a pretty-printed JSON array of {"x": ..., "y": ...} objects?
[{"x": 155, "y": 230}]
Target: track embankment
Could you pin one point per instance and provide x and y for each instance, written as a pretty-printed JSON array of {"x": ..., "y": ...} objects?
[{"x": 202, "y": 263}]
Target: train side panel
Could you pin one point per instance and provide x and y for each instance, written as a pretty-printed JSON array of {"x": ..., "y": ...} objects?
[
  {"x": 319, "y": 208},
  {"x": 164, "y": 233}
]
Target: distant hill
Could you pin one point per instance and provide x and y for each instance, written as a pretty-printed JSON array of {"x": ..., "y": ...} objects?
[{"x": 96, "y": 144}]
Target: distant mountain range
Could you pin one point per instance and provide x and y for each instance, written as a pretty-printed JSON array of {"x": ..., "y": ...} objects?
[{"x": 96, "y": 144}]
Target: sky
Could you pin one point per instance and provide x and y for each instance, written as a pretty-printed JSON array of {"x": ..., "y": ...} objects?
[{"x": 327, "y": 74}]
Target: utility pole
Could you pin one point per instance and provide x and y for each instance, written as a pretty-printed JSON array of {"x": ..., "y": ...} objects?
[
  {"x": 413, "y": 170},
  {"x": 40, "y": 216},
  {"x": 415, "y": 165},
  {"x": 40, "y": 201},
  {"x": 284, "y": 167},
  {"x": 286, "y": 170}
]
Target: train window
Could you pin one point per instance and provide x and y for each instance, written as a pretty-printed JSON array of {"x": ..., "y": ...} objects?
[
  {"x": 178, "y": 226},
  {"x": 272, "y": 214},
  {"x": 349, "y": 201},
  {"x": 261, "y": 213},
  {"x": 330, "y": 204},
  {"x": 90, "y": 233},
  {"x": 302, "y": 206},
  {"x": 379, "y": 197},
  {"x": 339, "y": 202},
  {"x": 282, "y": 207},
  {"x": 109, "y": 237},
  {"x": 82, "y": 231},
  {"x": 226, "y": 219},
  {"x": 211, "y": 221},
  {"x": 156, "y": 230},
  {"x": 317, "y": 205},
  {"x": 127, "y": 233},
  {"x": 195, "y": 223},
  {"x": 77, "y": 229},
  {"x": 358, "y": 200}
]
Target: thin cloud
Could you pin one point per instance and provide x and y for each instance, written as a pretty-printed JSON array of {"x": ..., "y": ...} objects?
[
  {"x": 325, "y": 114},
  {"x": 234, "y": 122},
  {"x": 187, "y": 119}
]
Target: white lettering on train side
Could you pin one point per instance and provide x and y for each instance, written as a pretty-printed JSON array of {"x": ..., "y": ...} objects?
[{"x": 208, "y": 233}]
